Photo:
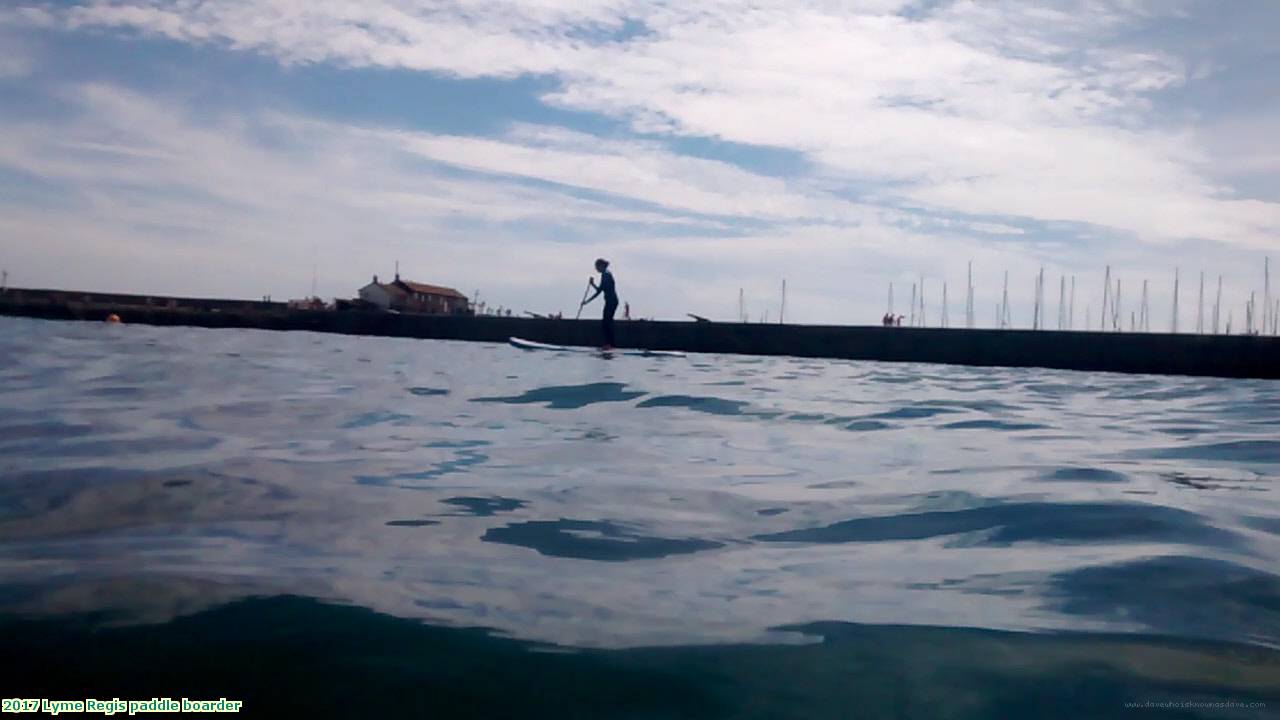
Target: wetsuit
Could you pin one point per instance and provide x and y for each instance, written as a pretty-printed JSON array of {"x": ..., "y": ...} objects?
[{"x": 610, "y": 306}]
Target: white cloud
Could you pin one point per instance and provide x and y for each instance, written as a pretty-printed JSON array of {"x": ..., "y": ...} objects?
[
  {"x": 642, "y": 171},
  {"x": 1008, "y": 108}
]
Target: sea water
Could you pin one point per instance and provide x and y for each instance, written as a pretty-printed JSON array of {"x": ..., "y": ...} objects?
[{"x": 348, "y": 526}]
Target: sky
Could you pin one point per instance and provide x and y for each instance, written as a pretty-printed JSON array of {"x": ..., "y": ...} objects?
[{"x": 244, "y": 148}]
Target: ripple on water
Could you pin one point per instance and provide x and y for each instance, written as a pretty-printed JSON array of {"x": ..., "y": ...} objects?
[
  {"x": 485, "y": 506},
  {"x": 1240, "y": 451},
  {"x": 867, "y": 426},
  {"x": 1011, "y": 523},
  {"x": 44, "y": 431},
  {"x": 412, "y": 523},
  {"x": 569, "y": 397},
  {"x": 1085, "y": 474},
  {"x": 121, "y": 447},
  {"x": 710, "y": 405},
  {"x": 913, "y": 412},
  {"x": 1004, "y": 425},
  {"x": 1190, "y": 596},
  {"x": 593, "y": 540},
  {"x": 464, "y": 459},
  {"x": 378, "y": 417}
]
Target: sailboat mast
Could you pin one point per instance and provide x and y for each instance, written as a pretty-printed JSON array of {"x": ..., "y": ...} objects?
[
  {"x": 968, "y": 306},
  {"x": 945, "y": 311},
  {"x": 1106, "y": 298},
  {"x": 1200, "y": 306},
  {"x": 1071, "y": 317}
]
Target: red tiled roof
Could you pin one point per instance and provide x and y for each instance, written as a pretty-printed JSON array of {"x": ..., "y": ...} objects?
[{"x": 430, "y": 289}]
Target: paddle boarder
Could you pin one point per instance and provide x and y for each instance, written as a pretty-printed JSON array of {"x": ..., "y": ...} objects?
[{"x": 610, "y": 292}]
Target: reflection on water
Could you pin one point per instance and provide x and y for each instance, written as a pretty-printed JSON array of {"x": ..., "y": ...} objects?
[
  {"x": 592, "y": 540},
  {"x": 700, "y": 537},
  {"x": 287, "y": 655}
]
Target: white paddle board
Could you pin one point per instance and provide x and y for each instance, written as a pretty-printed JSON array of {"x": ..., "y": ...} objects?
[{"x": 531, "y": 345}]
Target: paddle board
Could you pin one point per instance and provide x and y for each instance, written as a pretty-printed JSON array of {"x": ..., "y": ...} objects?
[{"x": 531, "y": 345}]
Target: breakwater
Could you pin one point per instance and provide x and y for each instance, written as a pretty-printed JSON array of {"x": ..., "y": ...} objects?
[{"x": 1237, "y": 356}]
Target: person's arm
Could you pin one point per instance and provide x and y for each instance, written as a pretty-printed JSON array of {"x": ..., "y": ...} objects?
[{"x": 595, "y": 287}]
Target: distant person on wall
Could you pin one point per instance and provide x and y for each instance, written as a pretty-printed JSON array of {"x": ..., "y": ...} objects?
[
  {"x": 610, "y": 292},
  {"x": 626, "y": 311}
]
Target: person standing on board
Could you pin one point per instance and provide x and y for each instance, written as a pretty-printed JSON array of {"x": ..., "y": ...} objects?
[{"x": 610, "y": 292}]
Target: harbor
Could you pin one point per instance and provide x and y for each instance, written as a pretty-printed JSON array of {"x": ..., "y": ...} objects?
[{"x": 1228, "y": 356}]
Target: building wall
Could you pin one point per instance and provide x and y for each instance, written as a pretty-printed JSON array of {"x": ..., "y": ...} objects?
[
  {"x": 430, "y": 304},
  {"x": 375, "y": 294}
]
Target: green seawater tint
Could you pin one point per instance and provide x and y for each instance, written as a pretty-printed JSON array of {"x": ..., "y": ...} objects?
[{"x": 296, "y": 655}]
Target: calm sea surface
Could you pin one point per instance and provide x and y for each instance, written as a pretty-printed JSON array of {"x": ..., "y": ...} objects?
[{"x": 353, "y": 526}]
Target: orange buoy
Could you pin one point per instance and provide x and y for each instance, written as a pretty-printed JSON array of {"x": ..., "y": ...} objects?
[{"x": 114, "y": 318}]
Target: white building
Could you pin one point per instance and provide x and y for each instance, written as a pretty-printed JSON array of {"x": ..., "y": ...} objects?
[{"x": 375, "y": 293}]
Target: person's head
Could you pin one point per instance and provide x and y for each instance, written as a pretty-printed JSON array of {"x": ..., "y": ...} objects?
[{"x": 601, "y": 264}]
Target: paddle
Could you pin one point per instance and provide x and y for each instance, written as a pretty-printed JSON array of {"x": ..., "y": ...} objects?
[{"x": 582, "y": 304}]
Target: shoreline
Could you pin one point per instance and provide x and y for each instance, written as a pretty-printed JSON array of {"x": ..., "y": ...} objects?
[{"x": 1228, "y": 356}]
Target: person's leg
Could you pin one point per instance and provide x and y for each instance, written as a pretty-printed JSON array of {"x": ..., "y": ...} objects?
[{"x": 607, "y": 324}]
